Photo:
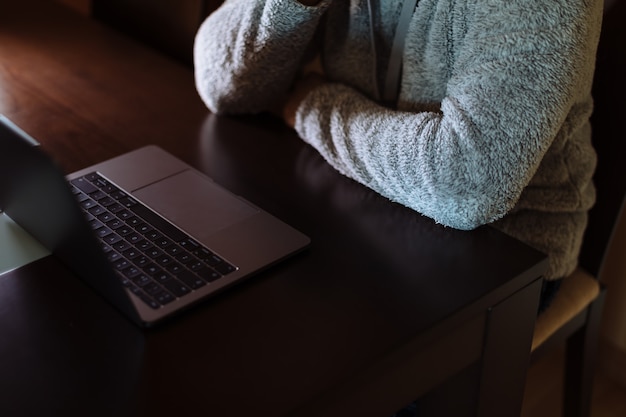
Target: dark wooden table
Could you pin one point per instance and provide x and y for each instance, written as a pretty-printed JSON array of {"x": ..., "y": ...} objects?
[{"x": 384, "y": 307}]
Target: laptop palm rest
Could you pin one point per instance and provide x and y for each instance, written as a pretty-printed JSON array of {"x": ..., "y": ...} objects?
[{"x": 195, "y": 203}]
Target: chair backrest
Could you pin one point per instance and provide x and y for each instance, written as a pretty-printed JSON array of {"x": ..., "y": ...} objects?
[
  {"x": 169, "y": 26},
  {"x": 609, "y": 135}
]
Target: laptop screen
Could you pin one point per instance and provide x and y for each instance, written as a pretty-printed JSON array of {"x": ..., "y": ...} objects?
[{"x": 36, "y": 195}]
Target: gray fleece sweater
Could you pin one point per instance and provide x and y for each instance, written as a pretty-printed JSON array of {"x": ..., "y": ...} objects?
[{"x": 491, "y": 124}]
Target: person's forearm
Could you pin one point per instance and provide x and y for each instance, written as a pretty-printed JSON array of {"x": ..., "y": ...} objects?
[{"x": 247, "y": 53}]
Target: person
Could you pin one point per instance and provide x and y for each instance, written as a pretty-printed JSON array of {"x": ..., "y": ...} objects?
[{"x": 486, "y": 123}]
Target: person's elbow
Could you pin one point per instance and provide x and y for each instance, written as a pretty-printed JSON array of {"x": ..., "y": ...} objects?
[
  {"x": 467, "y": 210},
  {"x": 217, "y": 102},
  {"x": 227, "y": 93}
]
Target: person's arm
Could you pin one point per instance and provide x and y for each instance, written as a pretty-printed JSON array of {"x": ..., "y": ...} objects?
[
  {"x": 516, "y": 79},
  {"x": 247, "y": 52}
]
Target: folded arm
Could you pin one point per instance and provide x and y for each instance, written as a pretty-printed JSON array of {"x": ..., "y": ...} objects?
[
  {"x": 466, "y": 164},
  {"x": 247, "y": 53}
]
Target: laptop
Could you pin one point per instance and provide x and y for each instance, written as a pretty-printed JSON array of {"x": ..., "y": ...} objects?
[{"x": 147, "y": 231}]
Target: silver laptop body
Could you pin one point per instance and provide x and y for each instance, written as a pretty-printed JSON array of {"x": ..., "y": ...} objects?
[{"x": 191, "y": 212}]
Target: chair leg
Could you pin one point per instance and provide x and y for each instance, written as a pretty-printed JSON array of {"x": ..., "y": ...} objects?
[{"x": 580, "y": 359}]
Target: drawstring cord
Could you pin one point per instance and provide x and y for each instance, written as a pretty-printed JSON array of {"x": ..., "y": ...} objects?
[{"x": 394, "y": 67}]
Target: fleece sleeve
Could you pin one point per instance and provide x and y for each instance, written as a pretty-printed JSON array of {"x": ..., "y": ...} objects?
[
  {"x": 514, "y": 76},
  {"x": 247, "y": 52}
]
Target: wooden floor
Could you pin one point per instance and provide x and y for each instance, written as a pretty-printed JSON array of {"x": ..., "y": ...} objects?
[{"x": 544, "y": 387}]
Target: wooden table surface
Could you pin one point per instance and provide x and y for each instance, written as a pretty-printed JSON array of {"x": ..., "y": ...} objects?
[{"x": 384, "y": 306}]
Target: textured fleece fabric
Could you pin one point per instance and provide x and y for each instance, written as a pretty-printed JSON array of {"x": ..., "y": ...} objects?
[{"x": 492, "y": 122}]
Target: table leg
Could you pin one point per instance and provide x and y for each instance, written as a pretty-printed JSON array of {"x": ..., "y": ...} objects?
[{"x": 506, "y": 354}]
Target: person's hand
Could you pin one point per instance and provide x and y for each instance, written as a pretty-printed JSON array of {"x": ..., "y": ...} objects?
[{"x": 301, "y": 89}]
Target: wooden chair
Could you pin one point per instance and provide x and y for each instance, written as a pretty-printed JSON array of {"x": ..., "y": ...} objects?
[
  {"x": 169, "y": 26},
  {"x": 575, "y": 315}
]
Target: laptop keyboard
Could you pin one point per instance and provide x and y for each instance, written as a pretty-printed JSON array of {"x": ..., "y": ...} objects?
[{"x": 157, "y": 261}]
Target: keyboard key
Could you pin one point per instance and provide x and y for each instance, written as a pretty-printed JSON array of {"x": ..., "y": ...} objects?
[
  {"x": 117, "y": 194},
  {"x": 131, "y": 253},
  {"x": 174, "y": 250},
  {"x": 149, "y": 301},
  {"x": 164, "y": 260},
  {"x": 191, "y": 280},
  {"x": 124, "y": 231},
  {"x": 120, "y": 245},
  {"x": 95, "y": 224},
  {"x": 142, "y": 228},
  {"x": 163, "y": 242},
  {"x": 189, "y": 244},
  {"x": 127, "y": 202},
  {"x": 131, "y": 272},
  {"x": 208, "y": 274},
  {"x": 84, "y": 185},
  {"x": 196, "y": 265},
  {"x": 153, "y": 235},
  {"x": 112, "y": 239},
  {"x": 141, "y": 280},
  {"x": 176, "y": 287},
  {"x": 105, "y": 216},
  {"x": 97, "y": 210},
  {"x": 153, "y": 252},
  {"x": 134, "y": 221},
  {"x": 113, "y": 256},
  {"x": 93, "y": 176},
  {"x": 103, "y": 232},
  {"x": 224, "y": 268},
  {"x": 184, "y": 258},
  {"x": 114, "y": 223},
  {"x": 202, "y": 253},
  {"x": 175, "y": 268},
  {"x": 88, "y": 203},
  {"x": 164, "y": 297},
  {"x": 121, "y": 264},
  {"x": 98, "y": 196},
  {"x": 116, "y": 208},
  {"x": 134, "y": 238},
  {"x": 81, "y": 197},
  {"x": 143, "y": 245},
  {"x": 124, "y": 214},
  {"x": 162, "y": 276},
  {"x": 152, "y": 288},
  {"x": 141, "y": 261},
  {"x": 152, "y": 269},
  {"x": 106, "y": 201}
]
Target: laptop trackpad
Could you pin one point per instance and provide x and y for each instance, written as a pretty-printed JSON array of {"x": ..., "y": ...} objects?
[{"x": 195, "y": 203}]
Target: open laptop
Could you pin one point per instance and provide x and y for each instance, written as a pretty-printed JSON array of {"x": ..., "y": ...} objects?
[{"x": 147, "y": 231}]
